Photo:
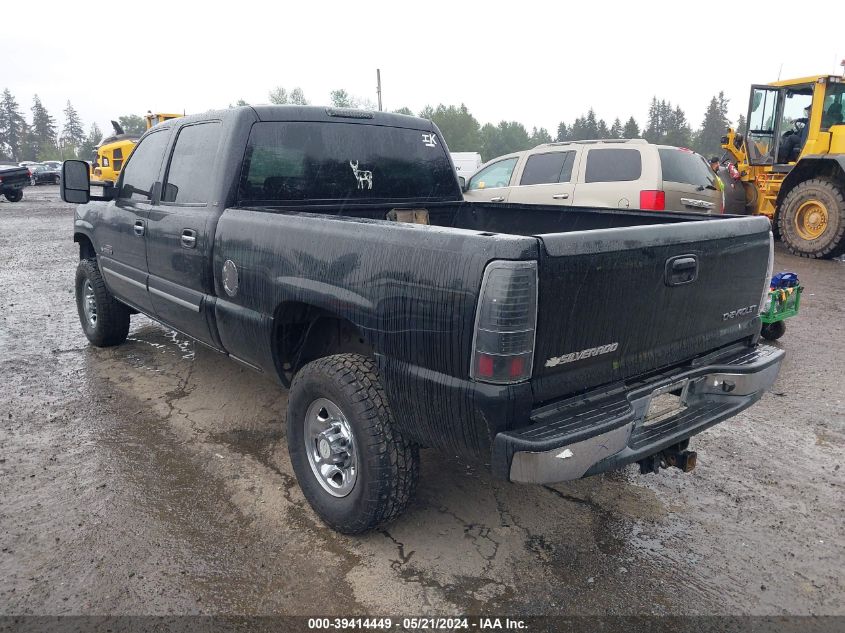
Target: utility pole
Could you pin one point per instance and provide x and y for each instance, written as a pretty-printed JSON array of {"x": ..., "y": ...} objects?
[{"x": 378, "y": 87}]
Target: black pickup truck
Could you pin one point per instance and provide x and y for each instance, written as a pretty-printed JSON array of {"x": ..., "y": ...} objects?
[
  {"x": 332, "y": 249},
  {"x": 12, "y": 181}
]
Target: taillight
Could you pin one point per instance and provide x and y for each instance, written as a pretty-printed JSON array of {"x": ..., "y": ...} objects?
[
  {"x": 652, "y": 200},
  {"x": 505, "y": 323}
]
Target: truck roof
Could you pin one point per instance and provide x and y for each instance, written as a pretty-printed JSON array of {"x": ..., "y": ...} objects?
[{"x": 310, "y": 113}]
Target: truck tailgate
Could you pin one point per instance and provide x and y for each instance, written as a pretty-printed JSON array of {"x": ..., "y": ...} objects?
[{"x": 617, "y": 303}]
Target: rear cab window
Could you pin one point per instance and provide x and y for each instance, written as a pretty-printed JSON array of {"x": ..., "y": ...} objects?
[
  {"x": 304, "y": 162},
  {"x": 613, "y": 165}
]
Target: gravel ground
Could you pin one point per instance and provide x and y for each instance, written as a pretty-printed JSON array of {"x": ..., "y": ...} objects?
[{"x": 153, "y": 478}]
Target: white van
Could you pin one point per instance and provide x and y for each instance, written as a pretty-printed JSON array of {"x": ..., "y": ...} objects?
[
  {"x": 466, "y": 163},
  {"x": 617, "y": 174}
]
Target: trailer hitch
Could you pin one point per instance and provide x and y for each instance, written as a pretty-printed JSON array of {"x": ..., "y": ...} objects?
[{"x": 675, "y": 456}]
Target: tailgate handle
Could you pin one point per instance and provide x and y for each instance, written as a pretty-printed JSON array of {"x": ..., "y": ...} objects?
[{"x": 680, "y": 270}]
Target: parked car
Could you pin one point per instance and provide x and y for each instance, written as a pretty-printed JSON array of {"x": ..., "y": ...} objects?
[
  {"x": 54, "y": 164},
  {"x": 42, "y": 174},
  {"x": 12, "y": 181},
  {"x": 332, "y": 250},
  {"x": 616, "y": 174}
]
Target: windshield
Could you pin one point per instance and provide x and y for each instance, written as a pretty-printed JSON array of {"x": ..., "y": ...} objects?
[{"x": 354, "y": 162}]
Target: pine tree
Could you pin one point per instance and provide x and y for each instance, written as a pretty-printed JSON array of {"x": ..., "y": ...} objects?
[
  {"x": 13, "y": 127},
  {"x": 341, "y": 99},
  {"x": 562, "y": 132},
  {"x": 631, "y": 129},
  {"x": 616, "y": 128},
  {"x": 591, "y": 127},
  {"x": 73, "y": 135},
  {"x": 404, "y": 110},
  {"x": 540, "y": 136},
  {"x": 43, "y": 130},
  {"x": 88, "y": 147},
  {"x": 740, "y": 124},
  {"x": 602, "y": 130},
  {"x": 654, "y": 127},
  {"x": 678, "y": 132},
  {"x": 713, "y": 127}
]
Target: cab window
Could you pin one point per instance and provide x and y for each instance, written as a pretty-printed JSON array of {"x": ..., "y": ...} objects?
[
  {"x": 548, "y": 168},
  {"x": 142, "y": 168},
  {"x": 189, "y": 176},
  {"x": 833, "y": 112},
  {"x": 496, "y": 175}
]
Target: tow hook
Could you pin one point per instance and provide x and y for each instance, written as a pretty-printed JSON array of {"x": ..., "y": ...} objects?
[{"x": 683, "y": 459}]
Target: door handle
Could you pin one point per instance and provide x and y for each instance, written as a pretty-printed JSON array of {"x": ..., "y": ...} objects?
[
  {"x": 681, "y": 270},
  {"x": 139, "y": 228},
  {"x": 560, "y": 196},
  {"x": 497, "y": 199},
  {"x": 189, "y": 238}
]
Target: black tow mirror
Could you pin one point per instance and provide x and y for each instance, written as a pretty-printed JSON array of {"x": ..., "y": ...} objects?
[
  {"x": 76, "y": 184},
  {"x": 463, "y": 183}
]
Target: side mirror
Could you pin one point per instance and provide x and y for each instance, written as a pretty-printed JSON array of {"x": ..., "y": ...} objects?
[
  {"x": 76, "y": 185},
  {"x": 463, "y": 183}
]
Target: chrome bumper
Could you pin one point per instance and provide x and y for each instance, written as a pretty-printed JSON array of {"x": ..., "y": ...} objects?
[{"x": 568, "y": 441}]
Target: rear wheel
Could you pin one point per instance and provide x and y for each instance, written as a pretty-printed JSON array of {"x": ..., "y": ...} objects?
[
  {"x": 15, "y": 195},
  {"x": 354, "y": 467},
  {"x": 773, "y": 331},
  {"x": 104, "y": 319},
  {"x": 812, "y": 219}
]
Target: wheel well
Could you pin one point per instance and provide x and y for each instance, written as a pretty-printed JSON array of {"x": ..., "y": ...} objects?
[
  {"x": 830, "y": 168},
  {"x": 86, "y": 248},
  {"x": 302, "y": 333}
]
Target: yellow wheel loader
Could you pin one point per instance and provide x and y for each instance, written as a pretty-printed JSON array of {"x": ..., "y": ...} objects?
[
  {"x": 791, "y": 161},
  {"x": 113, "y": 150}
]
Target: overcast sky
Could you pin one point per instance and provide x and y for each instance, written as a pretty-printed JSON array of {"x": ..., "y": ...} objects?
[{"x": 534, "y": 62}]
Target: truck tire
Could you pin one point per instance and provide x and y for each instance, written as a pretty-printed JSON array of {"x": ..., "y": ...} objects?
[
  {"x": 104, "y": 319},
  {"x": 354, "y": 467},
  {"x": 812, "y": 219},
  {"x": 773, "y": 331},
  {"x": 15, "y": 195}
]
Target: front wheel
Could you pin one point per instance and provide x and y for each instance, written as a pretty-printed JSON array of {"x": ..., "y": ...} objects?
[
  {"x": 15, "y": 195},
  {"x": 354, "y": 466},
  {"x": 812, "y": 219},
  {"x": 104, "y": 319}
]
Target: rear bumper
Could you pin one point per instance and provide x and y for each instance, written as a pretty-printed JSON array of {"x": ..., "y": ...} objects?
[{"x": 605, "y": 430}]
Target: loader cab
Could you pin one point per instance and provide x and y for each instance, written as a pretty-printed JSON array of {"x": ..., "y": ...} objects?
[{"x": 789, "y": 119}]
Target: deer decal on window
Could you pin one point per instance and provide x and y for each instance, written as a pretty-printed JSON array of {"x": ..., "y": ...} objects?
[{"x": 363, "y": 176}]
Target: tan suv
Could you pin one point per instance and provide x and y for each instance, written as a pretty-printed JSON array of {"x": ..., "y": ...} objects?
[{"x": 623, "y": 174}]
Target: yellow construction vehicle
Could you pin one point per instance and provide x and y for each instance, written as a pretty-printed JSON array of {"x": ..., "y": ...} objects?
[
  {"x": 792, "y": 161},
  {"x": 113, "y": 150}
]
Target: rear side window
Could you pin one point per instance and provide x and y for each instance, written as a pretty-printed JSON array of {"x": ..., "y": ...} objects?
[
  {"x": 189, "y": 174},
  {"x": 552, "y": 167},
  {"x": 143, "y": 167},
  {"x": 304, "y": 161},
  {"x": 613, "y": 165},
  {"x": 685, "y": 167}
]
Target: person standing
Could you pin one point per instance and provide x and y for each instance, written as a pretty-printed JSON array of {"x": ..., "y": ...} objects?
[{"x": 720, "y": 184}]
